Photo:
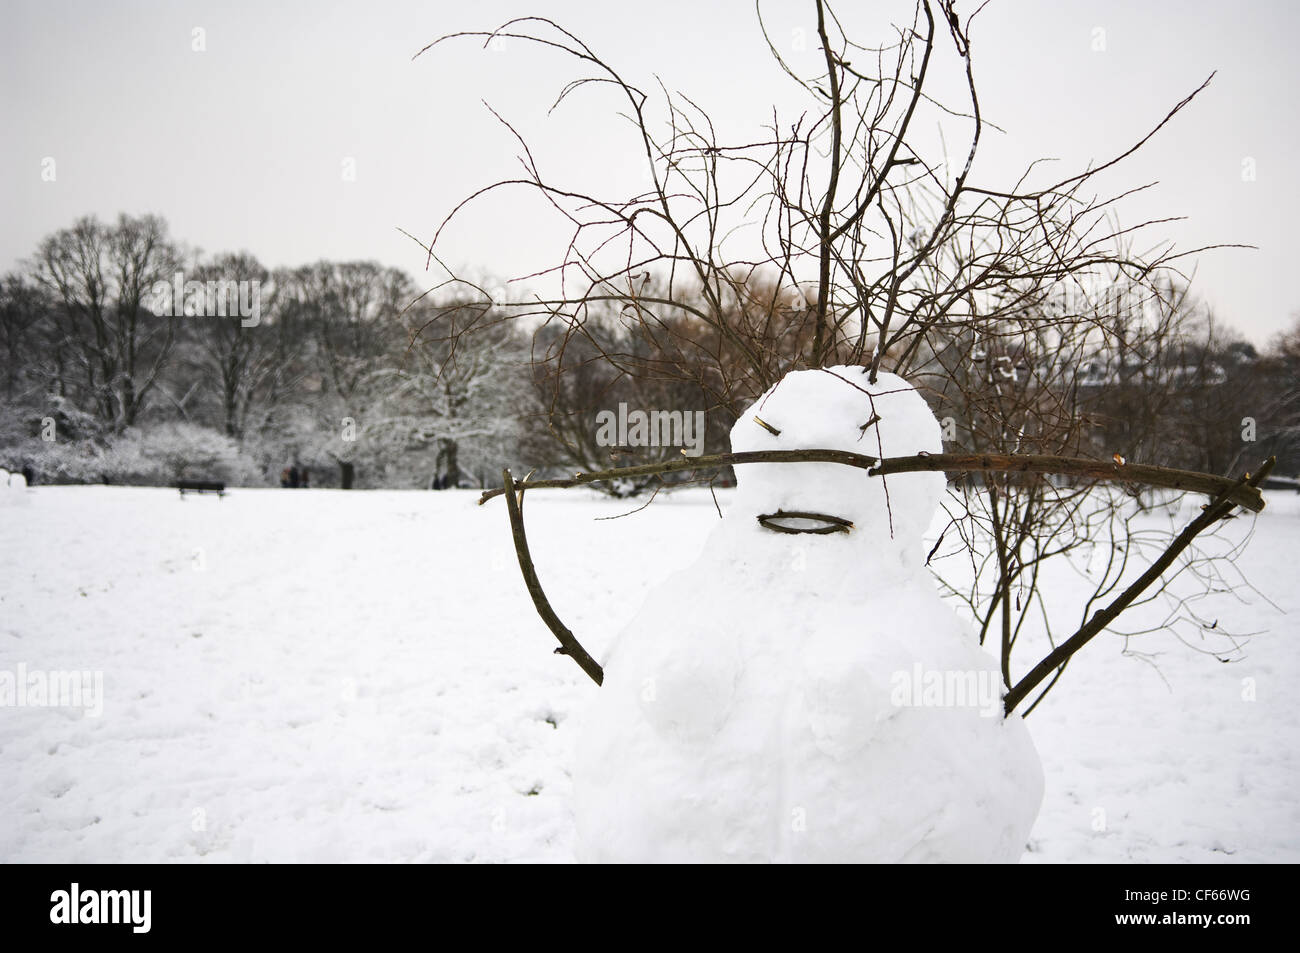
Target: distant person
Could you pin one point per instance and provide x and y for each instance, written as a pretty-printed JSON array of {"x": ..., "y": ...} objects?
[
  {"x": 305, "y": 478},
  {"x": 29, "y": 474},
  {"x": 284, "y": 478},
  {"x": 293, "y": 477}
]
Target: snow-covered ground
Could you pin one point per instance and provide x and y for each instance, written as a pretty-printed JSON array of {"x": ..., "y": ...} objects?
[{"x": 327, "y": 676}]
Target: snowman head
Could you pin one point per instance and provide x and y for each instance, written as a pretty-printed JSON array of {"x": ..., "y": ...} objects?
[{"x": 838, "y": 408}]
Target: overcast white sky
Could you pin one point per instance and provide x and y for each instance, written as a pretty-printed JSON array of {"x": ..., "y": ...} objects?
[{"x": 242, "y": 145}]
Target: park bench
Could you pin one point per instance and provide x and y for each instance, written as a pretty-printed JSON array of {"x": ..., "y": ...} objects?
[{"x": 201, "y": 486}]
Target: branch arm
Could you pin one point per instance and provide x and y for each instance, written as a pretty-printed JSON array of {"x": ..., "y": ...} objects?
[
  {"x": 1242, "y": 494},
  {"x": 569, "y": 644},
  {"x": 1210, "y": 515}
]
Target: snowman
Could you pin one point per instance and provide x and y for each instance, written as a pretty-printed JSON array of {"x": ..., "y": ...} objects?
[{"x": 801, "y": 693}]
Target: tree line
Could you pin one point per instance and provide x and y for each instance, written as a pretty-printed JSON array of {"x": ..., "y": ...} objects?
[{"x": 129, "y": 358}]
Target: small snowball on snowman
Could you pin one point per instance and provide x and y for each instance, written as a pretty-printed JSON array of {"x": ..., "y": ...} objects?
[{"x": 774, "y": 702}]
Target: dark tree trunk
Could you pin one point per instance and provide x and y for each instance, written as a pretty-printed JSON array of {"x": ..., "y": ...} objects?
[{"x": 448, "y": 462}]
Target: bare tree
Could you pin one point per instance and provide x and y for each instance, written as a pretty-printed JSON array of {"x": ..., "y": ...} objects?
[
  {"x": 236, "y": 359},
  {"x": 448, "y": 390},
  {"x": 349, "y": 314},
  {"x": 25, "y": 310},
  {"x": 112, "y": 347}
]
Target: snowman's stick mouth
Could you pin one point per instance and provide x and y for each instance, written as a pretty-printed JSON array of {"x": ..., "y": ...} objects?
[{"x": 783, "y": 521}]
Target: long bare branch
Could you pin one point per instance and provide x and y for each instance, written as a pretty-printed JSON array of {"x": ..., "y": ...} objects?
[
  {"x": 1213, "y": 512},
  {"x": 1241, "y": 494},
  {"x": 569, "y": 644}
]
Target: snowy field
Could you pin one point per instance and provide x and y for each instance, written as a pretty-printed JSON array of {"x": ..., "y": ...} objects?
[{"x": 328, "y": 676}]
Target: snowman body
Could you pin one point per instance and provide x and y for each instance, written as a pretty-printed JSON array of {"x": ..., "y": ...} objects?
[{"x": 808, "y": 697}]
